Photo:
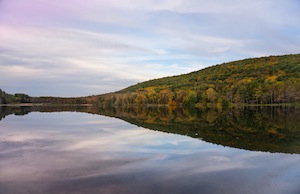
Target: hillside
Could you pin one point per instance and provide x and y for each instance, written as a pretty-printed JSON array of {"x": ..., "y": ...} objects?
[
  {"x": 258, "y": 81},
  {"x": 266, "y": 80}
]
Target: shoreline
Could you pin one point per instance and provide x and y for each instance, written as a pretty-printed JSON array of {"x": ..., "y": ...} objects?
[
  {"x": 41, "y": 104},
  {"x": 150, "y": 105}
]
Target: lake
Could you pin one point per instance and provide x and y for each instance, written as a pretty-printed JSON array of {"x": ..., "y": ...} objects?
[{"x": 93, "y": 150}]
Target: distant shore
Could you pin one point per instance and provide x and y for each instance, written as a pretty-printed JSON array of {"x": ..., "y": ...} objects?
[
  {"x": 42, "y": 104},
  {"x": 158, "y": 105},
  {"x": 24, "y": 104}
]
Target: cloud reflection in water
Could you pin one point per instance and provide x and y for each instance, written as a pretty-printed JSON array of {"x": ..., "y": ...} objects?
[{"x": 82, "y": 153}]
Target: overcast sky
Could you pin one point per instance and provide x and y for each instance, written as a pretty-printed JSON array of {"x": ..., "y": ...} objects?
[{"x": 79, "y": 48}]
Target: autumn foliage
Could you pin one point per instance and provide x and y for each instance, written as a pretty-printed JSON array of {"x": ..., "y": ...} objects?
[
  {"x": 266, "y": 80},
  {"x": 257, "y": 81}
]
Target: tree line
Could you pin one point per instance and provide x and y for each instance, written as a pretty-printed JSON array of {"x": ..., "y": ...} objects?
[{"x": 6, "y": 98}]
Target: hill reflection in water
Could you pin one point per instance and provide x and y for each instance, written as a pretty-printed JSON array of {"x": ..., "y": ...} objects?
[{"x": 268, "y": 129}]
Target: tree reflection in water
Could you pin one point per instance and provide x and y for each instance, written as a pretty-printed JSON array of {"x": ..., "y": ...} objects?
[{"x": 269, "y": 129}]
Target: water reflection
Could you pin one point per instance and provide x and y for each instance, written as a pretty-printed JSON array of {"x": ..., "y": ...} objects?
[
  {"x": 270, "y": 129},
  {"x": 64, "y": 152}
]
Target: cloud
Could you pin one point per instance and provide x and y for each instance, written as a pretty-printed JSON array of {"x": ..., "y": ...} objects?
[{"x": 122, "y": 43}]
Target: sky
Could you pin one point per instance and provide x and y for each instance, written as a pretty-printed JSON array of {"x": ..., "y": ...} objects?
[{"x": 79, "y": 48}]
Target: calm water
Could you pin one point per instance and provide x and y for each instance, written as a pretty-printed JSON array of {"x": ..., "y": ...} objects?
[{"x": 72, "y": 152}]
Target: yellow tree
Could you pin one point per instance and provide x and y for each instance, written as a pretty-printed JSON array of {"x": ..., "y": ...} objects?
[{"x": 211, "y": 94}]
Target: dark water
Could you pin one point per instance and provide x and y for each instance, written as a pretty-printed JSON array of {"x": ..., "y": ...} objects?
[{"x": 54, "y": 150}]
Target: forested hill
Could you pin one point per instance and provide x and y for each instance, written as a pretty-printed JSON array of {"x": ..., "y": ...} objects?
[{"x": 266, "y": 80}]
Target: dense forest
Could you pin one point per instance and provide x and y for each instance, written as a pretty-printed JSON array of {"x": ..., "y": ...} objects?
[
  {"x": 266, "y": 80},
  {"x": 257, "y": 81}
]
